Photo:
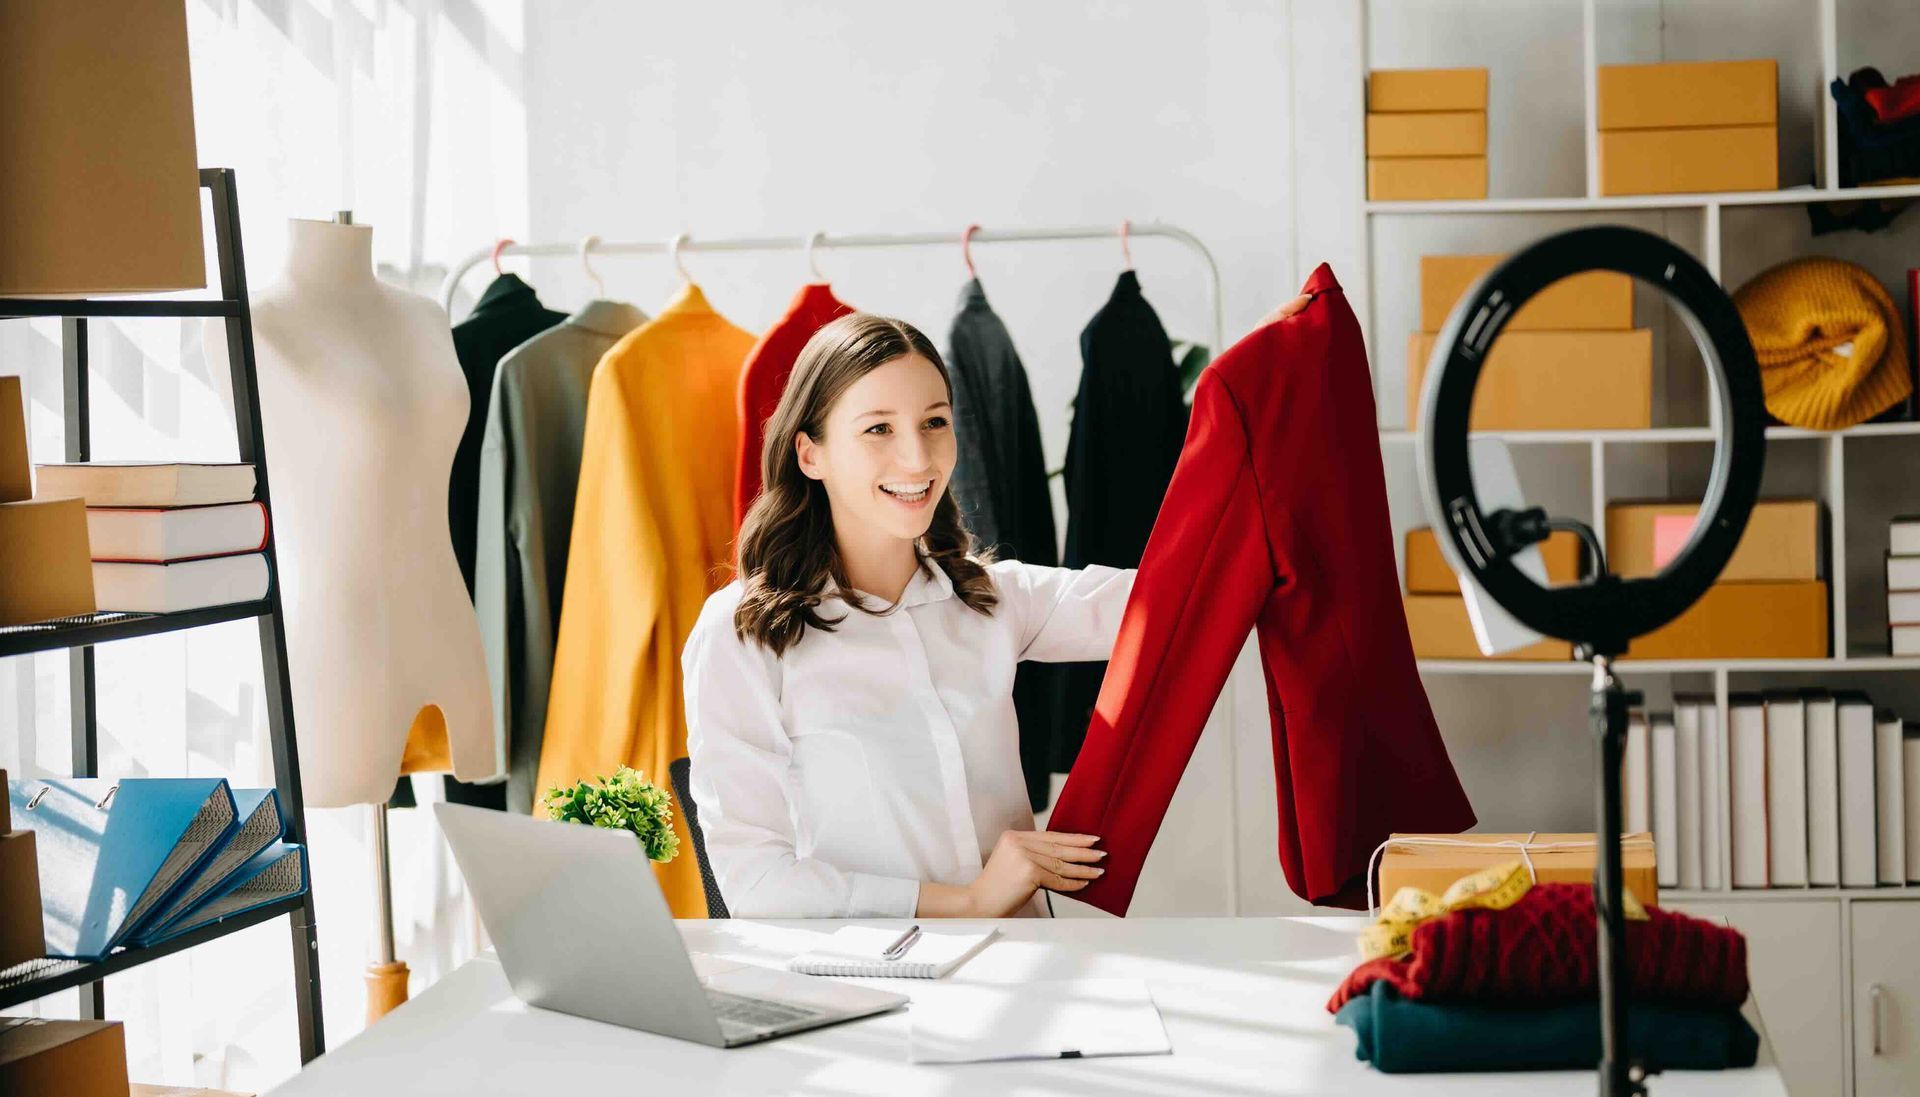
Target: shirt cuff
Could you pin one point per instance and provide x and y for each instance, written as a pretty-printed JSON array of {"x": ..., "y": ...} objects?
[{"x": 883, "y": 896}]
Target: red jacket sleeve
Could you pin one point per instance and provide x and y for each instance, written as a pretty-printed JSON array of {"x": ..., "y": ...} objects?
[{"x": 1201, "y": 583}]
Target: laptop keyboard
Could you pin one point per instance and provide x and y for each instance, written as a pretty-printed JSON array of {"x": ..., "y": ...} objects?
[{"x": 735, "y": 1009}]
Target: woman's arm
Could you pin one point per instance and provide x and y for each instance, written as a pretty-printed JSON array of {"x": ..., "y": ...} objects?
[
  {"x": 740, "y": 756},
  {"x": 1064, "y": 615}
]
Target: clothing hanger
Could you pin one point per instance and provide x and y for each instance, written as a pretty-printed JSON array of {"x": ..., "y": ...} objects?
[
  {"x": 966, "y": 250},
  {"x": 673, "y": 252},
  {"x": 1126, "y": 249},
  {"x": 586, "y": 245},
  {"x": 813, "y": 260},
  {"x": 499, "y": 246}
]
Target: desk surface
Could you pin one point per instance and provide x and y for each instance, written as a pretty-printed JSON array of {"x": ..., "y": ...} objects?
[{"x": 1243, "y": 999}]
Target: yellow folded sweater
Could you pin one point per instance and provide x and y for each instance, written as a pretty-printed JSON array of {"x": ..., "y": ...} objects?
[{"x": 1831, "y": 345}]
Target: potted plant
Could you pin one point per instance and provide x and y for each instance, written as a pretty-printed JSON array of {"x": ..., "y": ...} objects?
[{"x": 625, "y": 801}]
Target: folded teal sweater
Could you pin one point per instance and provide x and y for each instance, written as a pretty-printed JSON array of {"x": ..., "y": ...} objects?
[{"x": 1399, "y": 1036}]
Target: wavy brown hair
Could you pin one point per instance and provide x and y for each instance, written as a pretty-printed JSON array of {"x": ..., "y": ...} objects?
[{"x": 787, "y": 551}]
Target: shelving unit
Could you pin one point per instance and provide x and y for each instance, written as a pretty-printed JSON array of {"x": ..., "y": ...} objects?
[
  {"x": 38, "y": 978},
  {"x": 1811, "y": 974}
]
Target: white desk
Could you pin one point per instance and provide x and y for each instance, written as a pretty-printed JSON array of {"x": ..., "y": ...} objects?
[{"x": 1243, "y": 999}]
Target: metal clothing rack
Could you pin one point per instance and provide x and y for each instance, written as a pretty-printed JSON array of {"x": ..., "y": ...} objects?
[
  {"x": 35, "y": 979},
  {"x": 592, "y": 245},
  {"x": 673, "y": 248}
]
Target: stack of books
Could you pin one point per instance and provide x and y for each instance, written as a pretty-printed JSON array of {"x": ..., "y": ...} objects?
[
  {"x": 1822, "y": 790},
  {"x": 137, "y": 860},
  {"x": 1903, "y": 585},
  {"x": 167, "y": 537}
]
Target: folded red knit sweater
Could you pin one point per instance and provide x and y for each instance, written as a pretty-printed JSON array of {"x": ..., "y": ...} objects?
[{"x": 1543, "y": 949}]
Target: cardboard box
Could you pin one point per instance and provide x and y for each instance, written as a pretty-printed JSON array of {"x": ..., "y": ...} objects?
[
  {"x": 101, "y": 192},
  {"x": 1433, "y": 868},
  {"x": 48, "y": 570},
  {"x": 41, "y": 1058},
  {"x": 1689, "y": 161},
  {"x": 22, "y": 923},
  {"x": 1436, "y": 133},
  {"x": 1417, "y": 178},
  {"x": 1439, "y": 628},
  {"x": 1781, "y": 542},
  {"x": 16, "y": 475},
  {"x": 1596, "y": 300},
  {"x": 1744, "y": 621},
  {"x": 1675, "y": 94},
  {"x": 1390, "y": 90},
  {"x": 1428, "y": 573},
  {"x": 1553, "y": 380}
]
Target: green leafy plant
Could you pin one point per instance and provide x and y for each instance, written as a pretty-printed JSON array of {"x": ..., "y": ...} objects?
[{"x": 625, "y": 801}]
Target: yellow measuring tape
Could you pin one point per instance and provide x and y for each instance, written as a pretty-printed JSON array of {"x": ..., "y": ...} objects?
[{"x": 1495, "y": 888}]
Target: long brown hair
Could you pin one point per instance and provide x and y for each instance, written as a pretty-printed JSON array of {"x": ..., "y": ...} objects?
[{"x": 787, "y": 549}]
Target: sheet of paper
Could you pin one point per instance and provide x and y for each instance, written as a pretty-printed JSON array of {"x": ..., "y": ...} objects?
[{"x": 970, "y": 1022}]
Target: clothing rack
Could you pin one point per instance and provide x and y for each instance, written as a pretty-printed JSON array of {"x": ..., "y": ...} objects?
[
  {"x": 973, "y": 234},
  {"x": 686, "y": 243}
]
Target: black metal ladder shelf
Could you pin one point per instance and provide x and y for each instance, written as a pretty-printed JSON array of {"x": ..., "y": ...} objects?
[{"x": 38, "y": 978}]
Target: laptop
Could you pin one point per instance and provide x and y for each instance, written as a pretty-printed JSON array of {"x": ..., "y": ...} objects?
[{"x": 581, "y": 927}]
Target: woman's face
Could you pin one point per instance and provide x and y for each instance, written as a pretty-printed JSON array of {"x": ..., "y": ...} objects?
[{"x": 886, "y": 450}]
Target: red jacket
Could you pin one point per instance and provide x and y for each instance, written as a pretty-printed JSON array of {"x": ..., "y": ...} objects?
[
  {"x": 764, "y": 377},
  {"x": 1277, "y": 519}
]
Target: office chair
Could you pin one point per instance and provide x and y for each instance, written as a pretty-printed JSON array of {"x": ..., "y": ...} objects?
[{"x": 680, "y": 772}]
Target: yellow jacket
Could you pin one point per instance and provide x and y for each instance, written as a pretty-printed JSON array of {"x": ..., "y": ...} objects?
[{"x": 652, "y": 534}]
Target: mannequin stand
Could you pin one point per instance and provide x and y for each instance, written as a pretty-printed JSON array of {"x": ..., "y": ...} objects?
[{"x": 386, "y": 976}]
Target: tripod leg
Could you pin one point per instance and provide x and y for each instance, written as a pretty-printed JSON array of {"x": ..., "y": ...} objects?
[{"x": 1607, "y": 717}]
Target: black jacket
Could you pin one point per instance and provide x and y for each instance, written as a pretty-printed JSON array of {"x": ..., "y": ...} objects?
[
  {"x": 1129, "y": 422},
  {"x": 1000, "y": 483},
  {"x": 507, "y": 315}
]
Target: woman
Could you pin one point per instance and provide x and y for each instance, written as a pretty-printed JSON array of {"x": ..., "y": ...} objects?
[{"x": 850, "y": 696}]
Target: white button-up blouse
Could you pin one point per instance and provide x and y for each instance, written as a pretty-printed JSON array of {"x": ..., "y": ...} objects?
[{"x": 833, "y": 779}]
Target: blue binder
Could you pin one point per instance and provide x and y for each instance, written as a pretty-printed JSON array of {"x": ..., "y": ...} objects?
[
  {"x": 275, "y": 873},
  {"x": 260, "y": 824},
  {"x": 111, "y": 851}
]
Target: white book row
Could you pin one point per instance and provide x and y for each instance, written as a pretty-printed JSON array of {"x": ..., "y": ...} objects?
[{"x": 1822, "y": 790}]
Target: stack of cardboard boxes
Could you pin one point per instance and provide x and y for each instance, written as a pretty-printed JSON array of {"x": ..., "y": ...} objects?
[
  {"x": 48, "y": 572},
  {"x": 1426, "y": 134},
  {"x": 1437, "y": 611},
  {"x": 1571, "y": 359},
  {"x": 1769, "y": 603},
  {"x": 1687, "y": 127}
]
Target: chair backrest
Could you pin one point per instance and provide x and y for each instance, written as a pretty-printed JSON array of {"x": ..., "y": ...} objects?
[{"x": 680, "y": 772}]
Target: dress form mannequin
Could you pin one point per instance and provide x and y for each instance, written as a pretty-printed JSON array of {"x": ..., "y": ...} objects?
[{"x": 362, "y": 403}]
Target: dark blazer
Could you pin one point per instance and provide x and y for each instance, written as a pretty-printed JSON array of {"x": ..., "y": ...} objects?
[
  {"x": 1000, "y": 484},
  {"x": 1128, "y": 420},
  {"x": 1276, "y": 520}
]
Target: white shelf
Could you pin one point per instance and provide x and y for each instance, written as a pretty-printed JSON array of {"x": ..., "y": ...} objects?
[
  {"x": 1786, "y": 895},
  {"x": 1399, "y": 436},
  {"x": 1867, "y": 664},
  {"x": 1789, "y": 196}
]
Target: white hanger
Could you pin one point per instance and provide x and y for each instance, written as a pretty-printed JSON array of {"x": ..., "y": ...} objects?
[
  {"x": 673, "y": 252},
  {"x": 586, "y": 245},
  {"x": 813, "y": 259},
  {"x": 1126, "y": 250}
]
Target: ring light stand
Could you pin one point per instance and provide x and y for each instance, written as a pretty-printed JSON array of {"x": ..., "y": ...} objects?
[{"x": 1604, "y": 613}]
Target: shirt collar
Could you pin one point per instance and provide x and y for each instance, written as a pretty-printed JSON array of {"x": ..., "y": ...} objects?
[
  {"x": 689, "y": 300},
  {"x": 930, "y": 583},
  {"x": 615, "y": 318},
  {"x": 1320, "y": 281},
  {"x": 506, "y": 291}
]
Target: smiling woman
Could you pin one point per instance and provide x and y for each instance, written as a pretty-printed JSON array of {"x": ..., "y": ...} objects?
[{"x": 850, "y": 719}]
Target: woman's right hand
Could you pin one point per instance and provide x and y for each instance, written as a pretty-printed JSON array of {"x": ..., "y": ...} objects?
[{"x": 1024, "y": 861}]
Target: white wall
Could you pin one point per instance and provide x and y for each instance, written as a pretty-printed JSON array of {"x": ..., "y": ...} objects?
[{"x": 645, "y": 121}]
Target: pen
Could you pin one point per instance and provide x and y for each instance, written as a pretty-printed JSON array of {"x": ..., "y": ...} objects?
[{"x": 900, "y": 946}]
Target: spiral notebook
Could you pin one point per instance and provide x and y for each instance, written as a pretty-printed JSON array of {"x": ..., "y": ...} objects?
[{"x": 855, "y": 951}]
